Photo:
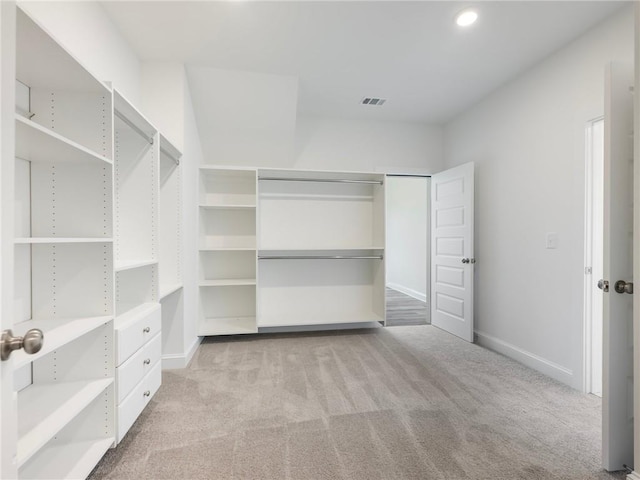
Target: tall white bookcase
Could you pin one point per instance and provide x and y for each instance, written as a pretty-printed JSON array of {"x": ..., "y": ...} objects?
[
  {"x": 63, "y": 259},
  {"x": 227, "y": 284},
  {"x": 95, "y": 186},
  {"x": 282, "y": 248},
  {"x": 138, "y": 320}
]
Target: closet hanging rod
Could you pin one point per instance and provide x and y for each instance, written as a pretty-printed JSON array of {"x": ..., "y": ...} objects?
[
  {"x": 134, "y": 127},
  {"x": 320, "y": 257},
  {"x": 324, "y": 180},
  {"x": 166, "y": 152}
]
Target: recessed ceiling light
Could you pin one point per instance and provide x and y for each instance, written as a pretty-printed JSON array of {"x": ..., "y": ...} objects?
[{"x": 466, "y": 18}]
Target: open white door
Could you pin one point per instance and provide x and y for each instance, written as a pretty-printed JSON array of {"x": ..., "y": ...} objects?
[
  {"x": 452, "y": 251},
  {"x": 617, "y": 393},
  {"x": 8, "y": 408}
]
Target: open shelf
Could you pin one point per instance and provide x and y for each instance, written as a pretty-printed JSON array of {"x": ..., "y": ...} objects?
[
  {"x": 131, "y": 264},
  {"x": 166, "y": 290},
  {"x": 227, "y": 326},
  {"x": 227, "y": 187},
  {"x": 58, "y": 332},
  {"x": 39, "y": 144},
  {"x": 45, "y": 409},
  {"x": 67, "y": 460},
  {"x": 228, "y": 282},
  {"x": 46, "y": 240},
  {"x": 43, "y": 63}
]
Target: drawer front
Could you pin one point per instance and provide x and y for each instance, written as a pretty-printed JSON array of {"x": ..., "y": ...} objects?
[
  {"x": 130, "y": 374},
  {"x": 153, "y": 380},
  {"x": 152, "y": 353},
  {"x": 135, "y": 334},
  {"x": 129, "y": 410}
]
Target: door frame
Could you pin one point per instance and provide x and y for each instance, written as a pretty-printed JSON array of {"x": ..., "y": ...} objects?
[{"x": 589, "y": 279}]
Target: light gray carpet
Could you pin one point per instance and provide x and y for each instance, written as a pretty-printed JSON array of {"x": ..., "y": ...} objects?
[
  {"x": 404, "y": 310},
  {"x": 397, "y": 403}
]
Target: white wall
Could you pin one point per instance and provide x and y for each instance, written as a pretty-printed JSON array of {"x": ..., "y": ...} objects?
[
  {"x": 86, "y": 31},
  {"x": 406, "y": 245},
  {"x": 245, "y": 118},
  {"x": 361, "y": 145},
  {"x": 527, "y": 140}
]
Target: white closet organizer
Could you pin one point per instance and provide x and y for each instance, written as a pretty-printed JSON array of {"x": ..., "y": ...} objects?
[
  {"x": 63, "y": 260},
  {"x": 318, "y": 238},
  {"x": 321, "y": 257},
  {"x": 138, "y": 314},
  {"x": 170, "y": 219},
  {"x": 228, "y": 214}
]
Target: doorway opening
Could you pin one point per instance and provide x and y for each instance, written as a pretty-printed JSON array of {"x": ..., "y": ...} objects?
[
  {"x": 407, "y": 249},
  {"x": 594, "y": 235}
]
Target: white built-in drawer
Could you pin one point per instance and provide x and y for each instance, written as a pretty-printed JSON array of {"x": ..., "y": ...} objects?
[
  {"x": 130, "y": 373},
  {"x": 135, "y": 328},
  {"x": 131, "y": 407}
]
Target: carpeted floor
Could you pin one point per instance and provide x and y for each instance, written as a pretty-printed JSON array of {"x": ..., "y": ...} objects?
[{"x": 398, "y": 403}]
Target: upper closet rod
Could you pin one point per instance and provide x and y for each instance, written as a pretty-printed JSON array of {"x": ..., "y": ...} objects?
[
  {"x": 328, "y": 180},
  {"x": 177, "y": 160},
  {"x": 134, "y": 127}
]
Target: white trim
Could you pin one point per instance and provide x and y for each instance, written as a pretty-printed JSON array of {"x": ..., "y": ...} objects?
[
  {"x": 633, "y": 476},
  {"x": 176, "y": 361},
  {"x": 553, "y": 370},
  {"x": 408, "y": 291}
]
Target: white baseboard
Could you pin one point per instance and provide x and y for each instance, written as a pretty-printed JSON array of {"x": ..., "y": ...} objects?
[
  {"x": 633, "y": 476},
  {"x": 176, "y": 361},
  {"x": 529, "y": 359},
  {"x": 408, "y": 291}
]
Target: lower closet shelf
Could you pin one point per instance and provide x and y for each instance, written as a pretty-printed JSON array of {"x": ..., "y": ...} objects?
[
  {"x": 43, "y": 410},
  {"x": 69, "y": 460},
  {"x": 307, "y": 318},
  {"x": 57, "y": 332},
  {"x": 227, "y": 326}
]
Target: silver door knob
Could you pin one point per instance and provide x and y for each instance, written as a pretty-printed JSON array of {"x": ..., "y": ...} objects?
[
  {"x": 603, "y": 285},
  {"x": 465, "y": 260},
  {"x": 147, "y": 393},
  {"x": 31, "y": 342},
  {"x": 147, "y": 361},
  {"x": 146, "y": 329},
  {"x": 623, "y": 287}
]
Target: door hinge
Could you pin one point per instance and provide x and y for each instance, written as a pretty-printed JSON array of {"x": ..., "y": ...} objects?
[{"x": 588, "y": 270}]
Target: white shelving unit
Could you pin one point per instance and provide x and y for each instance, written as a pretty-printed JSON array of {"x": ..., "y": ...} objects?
[
  {"x": 228, "y": 216},
  {"x": 63, "y": 259},
  {"x": 318, "y": 238},
  {"x": 136, "y": 218},
  {"x": 321, "y": 257}
]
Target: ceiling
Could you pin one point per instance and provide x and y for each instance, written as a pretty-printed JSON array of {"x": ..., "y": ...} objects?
[{"x": 410, "y": 53}]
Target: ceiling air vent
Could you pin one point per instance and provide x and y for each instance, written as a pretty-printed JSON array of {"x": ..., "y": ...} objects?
[{"x": 378, "y": 102}]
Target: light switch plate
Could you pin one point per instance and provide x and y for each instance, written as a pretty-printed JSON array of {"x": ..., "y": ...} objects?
[{"x": 552, "y": 240}]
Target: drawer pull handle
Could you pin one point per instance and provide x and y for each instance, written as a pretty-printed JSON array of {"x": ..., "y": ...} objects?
[
  {"x": 147, "y": 361},
  {"x": 147, "y": 393},
  {"x": 146, "y": 329}
]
